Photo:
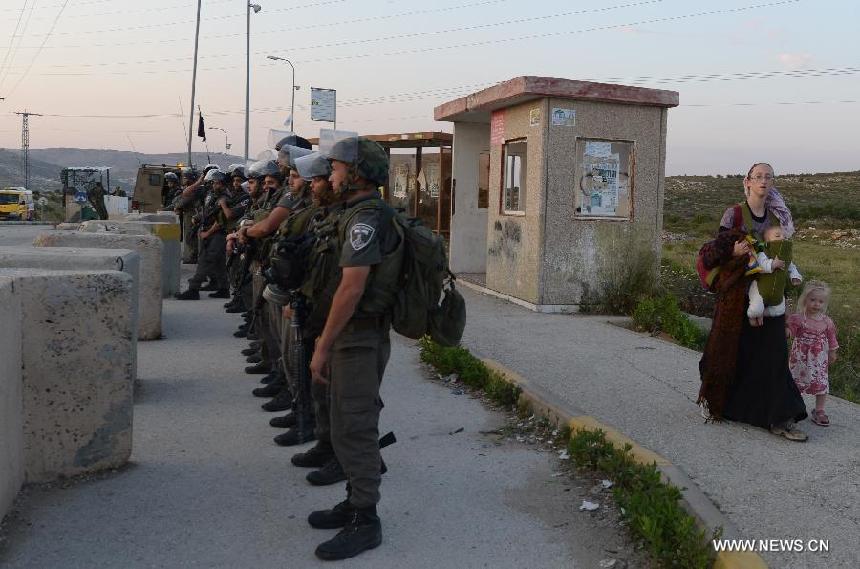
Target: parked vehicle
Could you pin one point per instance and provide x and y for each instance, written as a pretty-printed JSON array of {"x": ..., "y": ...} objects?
[{"x": 16, "y": 204}]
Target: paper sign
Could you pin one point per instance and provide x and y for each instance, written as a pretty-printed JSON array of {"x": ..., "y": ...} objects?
[
  {"x": 323, "y": 104},
  {"x": 497, "y": 127},
  {"x": 563, "y": 117},
  {"x": 534, "y": 117},
  {"x": 598, "y": 149}
]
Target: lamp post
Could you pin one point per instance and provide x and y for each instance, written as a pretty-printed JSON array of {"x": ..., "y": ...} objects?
[
  {"x": 226, "y": 143},
  {"x": 193, "y": 82},
  {"x": 292, "y": 91},
  {"x": 256, "y": 8}
]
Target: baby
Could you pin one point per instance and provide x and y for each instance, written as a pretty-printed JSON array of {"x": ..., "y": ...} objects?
[{"x": 767, "y": 291}]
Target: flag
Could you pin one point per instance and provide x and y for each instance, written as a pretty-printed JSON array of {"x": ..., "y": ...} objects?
[{"x": 201, "y": 130}]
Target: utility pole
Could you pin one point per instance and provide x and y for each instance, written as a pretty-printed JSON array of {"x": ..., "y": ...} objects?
[
  {"x": 25, "y": 145},
  {"x": 193, "y": 84},
  {"x": 256, "y": 8}
]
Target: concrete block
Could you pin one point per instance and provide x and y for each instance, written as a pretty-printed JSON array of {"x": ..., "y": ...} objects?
[
  {"x": 77, "y": 377},
  {"x": 68, "y": 226},
  {"x": 11, "y": 412},
  {"x": 77, "y": 259},
  {"x": 170, "y": 235},
  {"x": 166, "y": 216},
  {"x": 148, "y": 247}
]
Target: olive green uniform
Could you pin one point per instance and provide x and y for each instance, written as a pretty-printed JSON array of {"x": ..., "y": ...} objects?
[
  {"x": 360, "y": 352},
  {"x": 211, "y": 261}
]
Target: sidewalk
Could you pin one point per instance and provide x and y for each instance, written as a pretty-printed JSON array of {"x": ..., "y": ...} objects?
[
  {"x": 646, "y": 388},
  {"x": 208, "y": 488}
]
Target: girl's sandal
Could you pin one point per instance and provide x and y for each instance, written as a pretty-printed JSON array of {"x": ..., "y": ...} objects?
[{"x": 820, "y": 418}]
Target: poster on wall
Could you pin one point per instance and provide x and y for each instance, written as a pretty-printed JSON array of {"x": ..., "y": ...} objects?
[
  {"x": 563, "y": 117},
  {"x": 432, "y": 181},
  {"x": 534, "y": 116},
  {"x": 602, "y": 196},
  {"x": 401, "y": 181}
]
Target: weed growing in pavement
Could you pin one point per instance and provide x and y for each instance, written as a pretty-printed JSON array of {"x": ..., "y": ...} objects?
[
  {"x": 471, "y": 371},
  {"x": 662, "y": 314},
  {"x": 649, "y": 505}
]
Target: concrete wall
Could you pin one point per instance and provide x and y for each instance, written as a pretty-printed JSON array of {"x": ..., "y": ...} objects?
[
  {"x": 168, "y": 232},
  {"x": 468, "y": 246},
  {"x": 583, "y": 255},
  {"x": 77, "y": 370},
  {"x": 515, "y": 242},
  {"x": 148, "y": 247},
  {"x": 11, "y": 412},
  {"x": 76, "y": 259}
]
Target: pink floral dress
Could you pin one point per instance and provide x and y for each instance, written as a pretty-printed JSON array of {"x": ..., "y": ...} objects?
[{"x": 808, "y": 358}]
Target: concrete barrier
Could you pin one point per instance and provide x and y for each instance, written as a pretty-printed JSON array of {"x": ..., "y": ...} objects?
[
  {"x": 163, "y": 216},
  {"x": 68, "y": 226},
  {"x": 11, "y": 413},
  {"x": 76, "y": 374},
  {"x": 80, "y": 259},
  {"x": 148, "y": 247},
  {"x": 169, "y": 234}
]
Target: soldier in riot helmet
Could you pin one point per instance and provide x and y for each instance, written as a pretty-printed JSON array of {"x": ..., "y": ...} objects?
[
  {"x": 353, "y": 349},
  {"x": 211, "y": 261},
  {"x": 172, "y": 190}
]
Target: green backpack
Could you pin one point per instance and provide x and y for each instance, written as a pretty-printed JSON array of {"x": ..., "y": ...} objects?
[{"x": 427, "y": 302}]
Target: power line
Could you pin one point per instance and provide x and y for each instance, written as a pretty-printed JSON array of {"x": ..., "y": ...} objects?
[
  {"x": 44, "y": 41},
  {"x": 12, "y": 38},
  {"x": 14, "y": 49},
  {"x": 454, "y": 46}
]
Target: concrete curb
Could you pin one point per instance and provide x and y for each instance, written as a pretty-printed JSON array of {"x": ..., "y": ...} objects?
[
  {"x": 26, "y": 223},
  {"x": 693, "y": 500}
]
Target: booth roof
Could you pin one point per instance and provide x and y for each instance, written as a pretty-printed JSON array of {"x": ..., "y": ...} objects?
[
  {"x": 408, "y": 139},
  {"x": 478, "y": 106}
]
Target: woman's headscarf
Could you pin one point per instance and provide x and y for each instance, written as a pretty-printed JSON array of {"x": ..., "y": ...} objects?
[{"x": 776, "y": 204}]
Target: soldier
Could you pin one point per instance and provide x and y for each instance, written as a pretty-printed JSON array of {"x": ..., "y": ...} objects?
[
  {"x": 211, "y": 257},
  {"x": 96, "y": 196},
  {"x": 318, "y": 288},
  {"x": 353, "y": 349},
  {"x": 172, "y": 190}
]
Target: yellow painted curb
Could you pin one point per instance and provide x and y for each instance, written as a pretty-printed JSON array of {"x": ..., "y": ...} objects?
[
  {"x": 640, "y": 453},
  {"x": 739, "y": 560},
  {"x": 166, "y": 231},
  {"x": 516, "y": 378}
]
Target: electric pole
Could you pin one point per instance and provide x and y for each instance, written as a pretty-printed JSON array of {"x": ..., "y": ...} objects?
[{"x": 25, "y": 145}]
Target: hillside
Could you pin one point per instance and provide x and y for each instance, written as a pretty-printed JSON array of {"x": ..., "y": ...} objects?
[{"x": 46, "y": 163}]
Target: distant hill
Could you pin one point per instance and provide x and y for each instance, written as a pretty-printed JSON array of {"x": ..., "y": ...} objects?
[{"x": 46, "y": 163}]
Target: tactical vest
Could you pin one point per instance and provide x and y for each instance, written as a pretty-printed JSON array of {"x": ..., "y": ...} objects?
[
  {"x": 323, "y": 274},
  {"x": 383, "y": 283}
]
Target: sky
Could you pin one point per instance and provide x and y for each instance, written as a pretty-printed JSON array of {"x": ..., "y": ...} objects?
[{"x": 759, "y": 80}]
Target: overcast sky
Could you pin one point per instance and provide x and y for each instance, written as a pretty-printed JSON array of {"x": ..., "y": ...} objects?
[{"x": 758, "y": 80}]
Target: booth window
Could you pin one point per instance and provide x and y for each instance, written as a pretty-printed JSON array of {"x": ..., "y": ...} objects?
[
  {"x": 514, "y": 190},
  {"x": 604, "y": 181},
  {"x": 484, "y": 180}
]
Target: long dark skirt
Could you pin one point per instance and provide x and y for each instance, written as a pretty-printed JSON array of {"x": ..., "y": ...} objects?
[{"x": 764, "y": 393}]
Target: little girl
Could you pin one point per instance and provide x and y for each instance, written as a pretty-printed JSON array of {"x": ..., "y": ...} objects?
[{"x": 814, "y": 346}]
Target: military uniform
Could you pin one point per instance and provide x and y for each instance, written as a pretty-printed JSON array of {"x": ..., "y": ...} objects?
[
  {"x": 211, "y": 260},
  {"x": 360, "y": 352}
]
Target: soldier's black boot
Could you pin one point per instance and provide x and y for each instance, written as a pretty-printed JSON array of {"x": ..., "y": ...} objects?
[
  {"x": 316, "y": 457},
  {"x": 220, "y": 293},
  {"x": 235, "y": 309},
  {"x": 208, "y": 287},
  {"x": 363, "y": 531},
  {"x": 250, "y": 350},
  {"x": 282, "y": 401},
  {"x": 262, "y": 367},
  {"x": 295, "y": 436},
  {"x": 190, "y": 294},
  {"x": 284, "y": 421},
  {"x": 254, "y": 358},
  {"x": 331, "y": 473},
  {"x": 335, "y": 518},
  {"x": 270, "y": 390}
]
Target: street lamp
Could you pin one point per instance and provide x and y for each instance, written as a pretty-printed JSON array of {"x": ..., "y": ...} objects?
[
  {"x": 292, "y": 91},
  {"x": 256, "y": 8},
  {"x": 226, "y": 144}
]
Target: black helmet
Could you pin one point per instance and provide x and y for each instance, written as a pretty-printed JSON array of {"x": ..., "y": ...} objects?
[
  {"x": 263, "y": 168},
  {"x": 293, "y": 140}
]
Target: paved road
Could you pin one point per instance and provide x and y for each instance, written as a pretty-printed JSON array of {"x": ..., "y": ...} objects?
[
  {"x": 770, "y": 487},
  {"x": 208, "y": 488}
]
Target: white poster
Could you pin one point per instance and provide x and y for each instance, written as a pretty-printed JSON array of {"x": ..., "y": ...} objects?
[
  {"x": 602, "y": 196},
  {"x": 323, "y": 104},
  {"x": 563, "y": 117}
]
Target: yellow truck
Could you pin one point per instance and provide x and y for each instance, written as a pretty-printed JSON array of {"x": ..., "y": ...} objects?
[{"x": 16, "y": 204}]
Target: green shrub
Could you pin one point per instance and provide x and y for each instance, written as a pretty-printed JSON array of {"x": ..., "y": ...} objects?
[
  {"x": 650, "y": 506},
  {"x": 471, "y": 371},
  {"x": 662, "y": 314}
]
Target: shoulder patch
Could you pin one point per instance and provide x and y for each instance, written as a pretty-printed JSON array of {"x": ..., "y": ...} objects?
[{"x": 360, "y": 235}]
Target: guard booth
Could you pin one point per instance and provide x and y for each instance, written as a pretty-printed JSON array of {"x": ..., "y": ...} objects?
[
  {"x": 558, "y": 187},
  {"x": 77, "y": 181},
  {"x": 419, "y": 182}
]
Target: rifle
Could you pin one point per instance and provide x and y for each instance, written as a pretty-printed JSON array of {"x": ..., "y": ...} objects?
[{"x": 300, "y": 358}]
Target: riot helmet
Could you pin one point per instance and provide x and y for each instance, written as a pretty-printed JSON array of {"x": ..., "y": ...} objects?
[
  {"x": 215, "y": 176},
  {"x": 311, "y": 165},
  {"x": 263, "y": 168},
  {"x": 366, "y": 157}
]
